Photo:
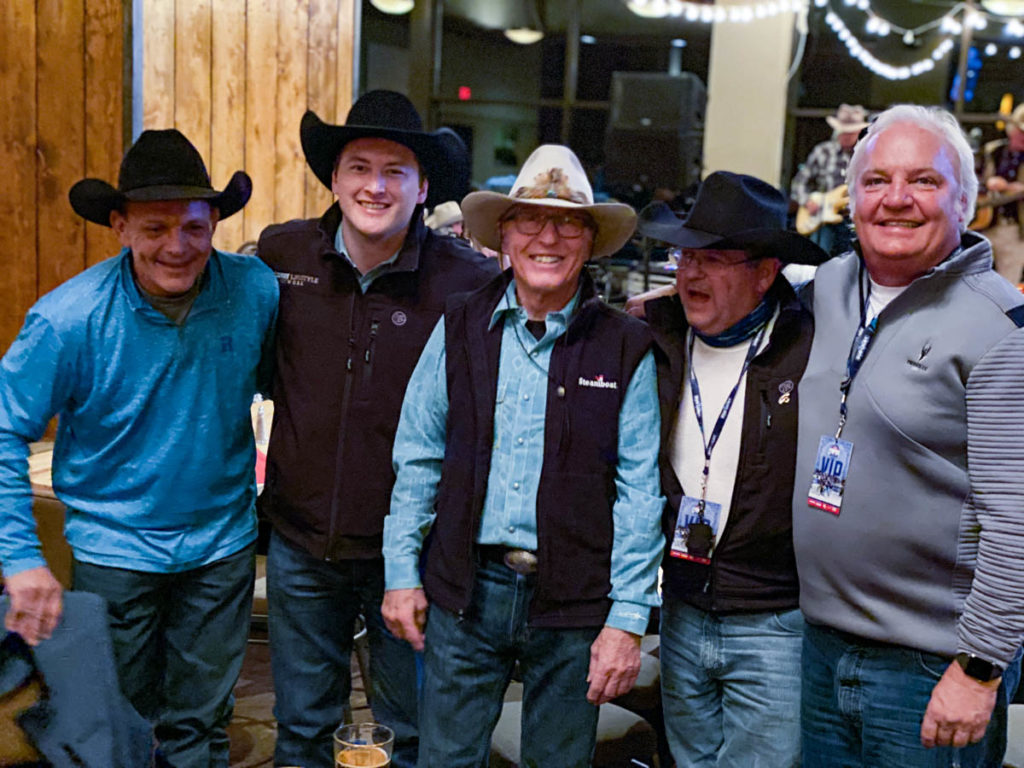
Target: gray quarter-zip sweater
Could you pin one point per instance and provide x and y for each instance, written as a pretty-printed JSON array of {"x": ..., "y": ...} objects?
[{"x": 926, "y": 551}]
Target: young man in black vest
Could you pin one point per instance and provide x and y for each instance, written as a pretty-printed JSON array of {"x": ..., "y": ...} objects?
[
  {"x": 733, "y": 341},
  {"x": 539, "y": 485},
  {"x": 361, "y": 287}
]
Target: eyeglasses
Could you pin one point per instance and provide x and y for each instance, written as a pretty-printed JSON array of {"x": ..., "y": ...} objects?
[
  {"x": 531, "y": 222},
  {"x": 708, "y": 262}
]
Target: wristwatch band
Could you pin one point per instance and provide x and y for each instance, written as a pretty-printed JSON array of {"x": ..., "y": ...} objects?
[{"x": 978, "y": 668}]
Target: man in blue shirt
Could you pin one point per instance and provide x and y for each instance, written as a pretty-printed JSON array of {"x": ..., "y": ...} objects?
[
  {"x": 540, "y": 489},
  {"x": 151, "y": 360}
]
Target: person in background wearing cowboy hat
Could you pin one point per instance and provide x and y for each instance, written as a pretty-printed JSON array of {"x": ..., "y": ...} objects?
[
  {"x": 361, "y": 289},
  {"x": 824, "y": 173},
  {"x": 732, "y": 345},
  {"x": 1003, "y": 159},
  {"x": 151, "y": 360},
  {"x": 446, "y": 219},
  {"x": 539, "y": 486}
]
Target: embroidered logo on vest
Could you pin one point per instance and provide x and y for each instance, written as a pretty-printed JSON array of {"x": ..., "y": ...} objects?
[
  {"x": 289, "y": 278},
  {"x": 598, "y": 383}
]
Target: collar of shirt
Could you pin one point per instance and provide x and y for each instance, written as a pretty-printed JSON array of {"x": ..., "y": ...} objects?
[
  {"x": 556, "y": 322},
  {"x": 364, "y": 280}
]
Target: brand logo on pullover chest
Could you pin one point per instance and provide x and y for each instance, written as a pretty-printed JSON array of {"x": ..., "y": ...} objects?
[
  {"x": 290, "y": 278},
  {"x": 598, "y": 383}
]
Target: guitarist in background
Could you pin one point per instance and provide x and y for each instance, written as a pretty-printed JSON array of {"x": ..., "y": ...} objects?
[
  {"x": 824, "y": 171},
  {"x": 1003, "y": 159}
]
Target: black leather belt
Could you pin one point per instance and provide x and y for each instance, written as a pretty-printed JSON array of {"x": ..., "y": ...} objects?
[{"x": 522, "y": 561}]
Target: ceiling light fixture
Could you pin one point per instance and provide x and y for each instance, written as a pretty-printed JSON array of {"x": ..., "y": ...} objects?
[
  {"x": 524, "y": 35},
  {"x": 1004, "y": 7},
  {"x": 649, "y": 9},
  {"x": 394, "y": 7}
]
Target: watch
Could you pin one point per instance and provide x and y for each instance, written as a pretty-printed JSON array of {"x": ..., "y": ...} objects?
[{"x": 978, "y": 668}]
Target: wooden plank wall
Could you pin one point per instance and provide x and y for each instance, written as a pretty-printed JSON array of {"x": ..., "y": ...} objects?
[
  {"x": 235, "y": 76},
  {"x": 62, "y": 87}
]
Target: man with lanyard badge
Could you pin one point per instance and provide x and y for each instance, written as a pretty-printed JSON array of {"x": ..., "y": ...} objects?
[
  {"x": 732, "y": 340},
  {"x": 907, "y": 526}
]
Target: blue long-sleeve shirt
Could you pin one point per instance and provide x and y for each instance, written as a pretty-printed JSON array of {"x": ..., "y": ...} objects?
[
  {"x": 509, "y": 514},
  {"x": 154, "y": 454}
]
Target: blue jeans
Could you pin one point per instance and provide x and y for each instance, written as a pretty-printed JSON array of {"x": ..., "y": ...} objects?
[
  {"x": 179, "y": 639},
  {"x": 730, "y": 687},
  {"x": 313, "y": 606},
  {"x": 469, "y": 661},
  {"x": 863, "y": 703}
]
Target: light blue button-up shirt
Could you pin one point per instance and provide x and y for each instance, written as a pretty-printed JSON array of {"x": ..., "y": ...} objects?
[
  {"x": 364, "y": 280},
  {"x": 509, "y": 515}
]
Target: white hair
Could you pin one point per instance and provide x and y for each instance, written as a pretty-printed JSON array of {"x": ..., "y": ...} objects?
[{"x": 942, "y": 124}]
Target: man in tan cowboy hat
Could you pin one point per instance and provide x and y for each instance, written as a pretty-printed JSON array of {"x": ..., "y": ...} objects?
[
  {"x": 361, "y": 288},
  {"x": 1003, "y": 160},
  {"x": 819, "y": 185},
  {"x": 538, "y": 486},
  {"x": 733, "y": 343},
  {"x": 151, "y": 360}
]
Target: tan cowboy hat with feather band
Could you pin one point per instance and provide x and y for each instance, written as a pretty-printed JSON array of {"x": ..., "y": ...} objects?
[{"x": 551, "y": 176}]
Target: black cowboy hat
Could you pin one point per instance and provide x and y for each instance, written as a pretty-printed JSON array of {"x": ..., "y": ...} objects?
[
  {"x": 732, "y": 211},
  {"x": 161, "y": 165},
  {"x": 389, "y": 115}
]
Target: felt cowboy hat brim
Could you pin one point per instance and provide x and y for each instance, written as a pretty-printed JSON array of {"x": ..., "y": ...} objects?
[
  {"x": 785, "y": 245},
  {"x": 747, "y": 213},
  {"x": 483, "y": 210},
  {"x": 95, "y": 199},
  {"x": 442, "y": 154}
]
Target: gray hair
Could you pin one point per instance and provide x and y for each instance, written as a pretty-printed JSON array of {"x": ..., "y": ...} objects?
[{"x": 942, "y": 124}]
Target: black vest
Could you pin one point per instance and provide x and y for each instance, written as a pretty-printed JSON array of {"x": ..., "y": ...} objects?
[{"x": 594, "y": 361}]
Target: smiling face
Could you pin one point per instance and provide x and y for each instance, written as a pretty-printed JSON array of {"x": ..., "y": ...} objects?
[
  {"x": 170, "y": 242},
  {"x": 378, "y": 186},
  {"x": 909, "y": 209},
  {"x": 547, "y": 264},
  {"x": 720, "y": 288}
]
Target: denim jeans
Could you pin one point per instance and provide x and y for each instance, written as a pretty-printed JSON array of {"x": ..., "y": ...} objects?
[
  {"x": 313, "y": 606},
  {"x": 863, "y": 703},
  {"x": 179, "y": 639},
  {"x": 730, "y": 687},
  {"x": 469, "y": 661}
]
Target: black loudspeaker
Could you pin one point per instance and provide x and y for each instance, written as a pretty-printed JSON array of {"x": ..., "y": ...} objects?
[
  {"x": 657, "y": 100},
  {"x": 652, "y": 158},
  {"x": 655, "y": 134}
]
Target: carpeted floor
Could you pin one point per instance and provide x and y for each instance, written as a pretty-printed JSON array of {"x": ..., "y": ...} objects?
[{"x": 252, "y": 729}]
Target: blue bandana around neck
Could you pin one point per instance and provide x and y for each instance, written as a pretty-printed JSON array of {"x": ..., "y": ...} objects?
[{"x": 743, "y": 329}]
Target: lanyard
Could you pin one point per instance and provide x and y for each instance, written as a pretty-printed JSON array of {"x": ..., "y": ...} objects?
[
  {"x": 698, "y": 410},
  {"x": 858, "y": 351}
]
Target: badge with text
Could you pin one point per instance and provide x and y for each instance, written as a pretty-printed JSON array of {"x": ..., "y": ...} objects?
[
  {"x": 830, "y": 470},
  {"x": 696, "y": 533}
]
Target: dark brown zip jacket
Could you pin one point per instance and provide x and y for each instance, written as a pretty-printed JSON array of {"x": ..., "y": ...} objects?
[{"x": 342, "y": 362}]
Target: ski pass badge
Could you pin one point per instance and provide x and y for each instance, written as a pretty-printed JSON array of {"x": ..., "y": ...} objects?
[
  {"x": 696, "y": 534},
  {"x": 830, "y": 470}
]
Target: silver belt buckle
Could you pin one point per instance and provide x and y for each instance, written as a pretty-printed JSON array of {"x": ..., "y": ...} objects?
[{"x": 521, "y": 561}]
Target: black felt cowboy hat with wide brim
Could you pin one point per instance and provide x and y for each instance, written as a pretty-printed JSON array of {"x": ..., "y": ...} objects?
[
  {"x": 732, "y": 211},
  {"x": 161, "y": 165},
  {"x": 389, "y": 115}
]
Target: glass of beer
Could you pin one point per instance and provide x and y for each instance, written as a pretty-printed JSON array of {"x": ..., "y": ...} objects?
[{"x": 363, "y": 745}]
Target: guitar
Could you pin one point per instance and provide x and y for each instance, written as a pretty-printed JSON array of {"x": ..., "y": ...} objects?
[
  {"x": 830, "y": 204},
  {"x": 985, "y": 210}
]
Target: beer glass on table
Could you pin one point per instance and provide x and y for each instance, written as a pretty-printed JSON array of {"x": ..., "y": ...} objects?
[{"x": 363, "y": 745}]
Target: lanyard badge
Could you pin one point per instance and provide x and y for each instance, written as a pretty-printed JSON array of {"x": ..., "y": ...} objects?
[
  {"x": 698, "y": 522},
  {"x": 832, "y": 464}
]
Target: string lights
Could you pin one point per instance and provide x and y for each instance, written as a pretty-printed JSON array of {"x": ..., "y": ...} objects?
[
  {"x": 711, "y": 14},
  {"x": 950, "y": 24}
]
